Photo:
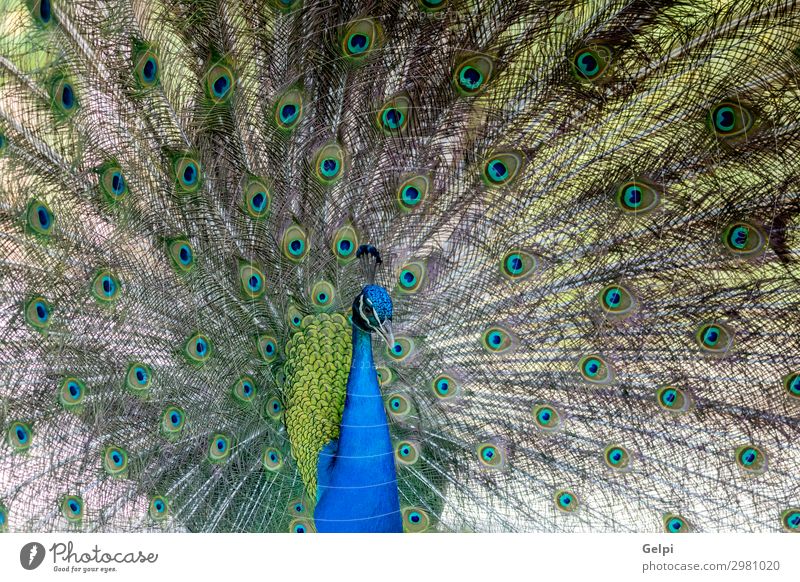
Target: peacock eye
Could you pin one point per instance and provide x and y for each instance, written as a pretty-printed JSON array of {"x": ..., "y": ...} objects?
[
  {"x": 751, "y": 458},
  {"x": 359, "y": 38},
  {"x": 471, "y": 75},
  {"x": 675, "y": 524},
  {"x": 636, "y": 196},
  {"x": 730, "y": 119},
  {"x": 590, "y": 64},
  {"x": 566, "y": 501},
  {"x": 617, "y": 457}
]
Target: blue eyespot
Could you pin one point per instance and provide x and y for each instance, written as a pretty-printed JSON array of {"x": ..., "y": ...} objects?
[
  {"x": 588, "y": 64},
  {"x": 395, "y": 403},
  {"x": 725, "y": 118},
  {"x": 141, "y": 375},
  {"x": 711, "y": 336},
  {"x": 443, "y": 386},
  {"x": 67, "y": 96},
  {"x": 185, "y": 254},
  {"x": 410, "y": 195},
  {"x": 633, "y": 196},
  {"x": 592, "y": 367},
  {"x": 254, "y": 283},
  {"x": 42, "y": 314},
  {"x": 149, "y": 70},
  {"x": 259, "y": 201},
  {"x": 201, "y": 346},
  {"x": 297, "y": 246},
  {"x": 497, "y": 171},
  {"x": 74, "y": 506},
  {"x": 45, "y": 11},
  {"x": 675, "y": 525},
  {"x": 289, "y": 113},
  {"x": 392, "y": 118},
  {"x": 470, "y": 78},
  {"x": 221, "y": 86},
  {"x": 189, "y": 176},
  {"x": 74, "y": 389},
  {"x": 329, "y": 167},
  {"x": 514, "y": 264},
  {"x": 357, "y": 43},
  {"x": 44, "y": 217},
  {"x": 22, "y": 435},
  {"x": 221, "y": 445},
  {"x": 345, "y": 247},
  {"x": 613, "y": 297},
  {"x": 117, "y": 184},
  {"x": 738, "y": 237},
  {"x": 159, "y": 505},
  {"x": 109, "y": 287}
]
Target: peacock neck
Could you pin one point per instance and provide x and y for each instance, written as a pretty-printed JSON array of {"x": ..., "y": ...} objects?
[{"x": 363, "y": 408}]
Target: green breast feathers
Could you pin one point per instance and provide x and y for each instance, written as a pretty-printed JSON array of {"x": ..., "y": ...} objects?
[{"x": 317, "y": 363}]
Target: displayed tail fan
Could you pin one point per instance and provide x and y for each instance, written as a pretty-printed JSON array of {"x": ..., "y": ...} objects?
[{"x": 585, "y": 214}]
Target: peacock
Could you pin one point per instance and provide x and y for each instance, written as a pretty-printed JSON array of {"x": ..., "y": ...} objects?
[{"x": 399, "y": 265}]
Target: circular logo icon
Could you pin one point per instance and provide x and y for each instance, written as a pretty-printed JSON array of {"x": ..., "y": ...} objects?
[{"x": 31, "y": 555}]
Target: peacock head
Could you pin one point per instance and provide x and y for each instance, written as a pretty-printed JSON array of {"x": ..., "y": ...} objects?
[{"x": 372, "y": 308}]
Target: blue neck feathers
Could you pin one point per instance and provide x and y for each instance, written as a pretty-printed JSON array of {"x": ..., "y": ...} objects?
[{"x": 357, "y": 484}]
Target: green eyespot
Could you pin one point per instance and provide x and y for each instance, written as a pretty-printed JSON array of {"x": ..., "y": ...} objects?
[
  {"x": 491, "y": 455},
  {"x": 37, "y": 313},
  {"x": 289, "y": 109},
  {"x": 566, "y": 501},
  {"x": 360, "y": 38},
  {"x": 394, "y": 115},
  {"x": 267, "y": 347},
  {"x": 188, "y": 173},
  {"x": 257, "y": 198},
  {"x": 674, "y": 523},
  {"x": 159, "y": 508},
  {"x": 445, "y": 387},
  {"x": 251, "y": 280},
  {"x": 138, "y": 377},
  {"x": 406, "y": 452},
  {"x": 616, "y": 301},
  {"x": 637, "y": 196},
  {"x": 295, "y": 243},
  {"x": 398, "y": 405},
  {"x": 274, "y": 408},
  {"x": 411, "y": 277},
  {"x": 415, "y": 520},
  {"x": 790, "y": 519},
  {"x": 39, "y": 217},
  {"x": 72, "y": 508},
  {"x": 19, "y": 436},
  {"x": 63, "y": 97},
  {"x": 294, "y": 317},
  {"x": 412, "y": 192},
  {"x": 401, "y": 350},
  {"x": 497, "y": 339},
  {"x": 791, "y": 383},
  {"x": 219, "y": 448},
  {"x": 298, "y": 507},
  {"x": 71, "y": 393},
  {"x": 502, "y": 167},
  {"x": 244, "y": 389},
  {"x": 115, "y": 460},
  {"x": 181, "y": 254},
  {"x": 471, "y": 75},
  {"x": 617, "y": 457},
  {"x": 743, "y": 239},
  {"x": 673, "y": 399},
  {"x": 105, "y": 287},
  {"x": 146, "y": 66},
  {"x": 517, "y": 265},
  {"x": 322, "y": 295},
  {"x": 173, "y": 420},
  {"x": 714, "y": 338},
  {"x": 272, "y": 459},
  {"x": 593, "y": 368},
  {"x": 730, "y": 120},
  {"x": 197, "y": 348},
  {"x": 751, "y": 459},
  {"x": 591, "y": 63},
  {"x": 345, "y": 244},
  {"x": 546, "y": 417},
  {"x": 113, "y": 183},
  {"x": 329, "y": 164},
  {"x": 220, "y": 83}
]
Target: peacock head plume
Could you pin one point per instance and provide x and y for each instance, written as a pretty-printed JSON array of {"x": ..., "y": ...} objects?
[{"x": 372, "y": 308}]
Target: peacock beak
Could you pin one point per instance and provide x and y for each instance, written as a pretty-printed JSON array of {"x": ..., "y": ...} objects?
[{"x": 385, "y": 329}]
